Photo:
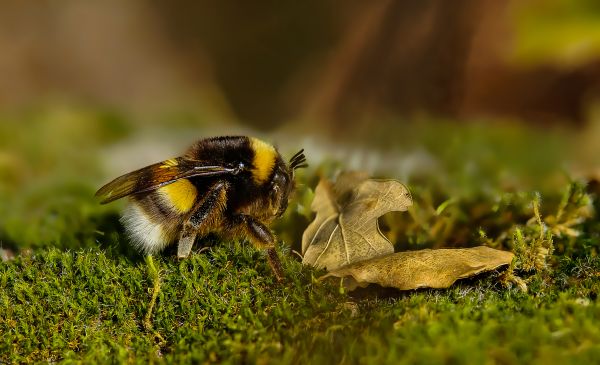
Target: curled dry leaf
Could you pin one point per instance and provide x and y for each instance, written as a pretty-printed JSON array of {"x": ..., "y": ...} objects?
[
  {"x": 422, "y": 269},
  {"x": 345, "y": 228}
]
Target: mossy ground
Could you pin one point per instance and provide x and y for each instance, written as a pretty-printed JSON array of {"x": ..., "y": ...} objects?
[
  {"x": 223, "y": 306},
  {"x": 76, "y": 292}
]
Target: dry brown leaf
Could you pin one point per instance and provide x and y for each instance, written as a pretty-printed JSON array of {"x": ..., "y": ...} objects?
[
  {"x": 422, "y": 269},
  {"x": 345, "y": 228}
]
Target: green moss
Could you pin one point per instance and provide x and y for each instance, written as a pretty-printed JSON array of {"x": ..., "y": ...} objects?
[
  {"x": 224, "y": 305},
  {"x": 48, "y": 173},
  {"x": 87, "y": 304}
]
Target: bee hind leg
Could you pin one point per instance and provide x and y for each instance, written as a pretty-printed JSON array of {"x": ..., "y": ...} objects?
[
  {"x": 262, "y": 238},
  {"x": 202, "y": 218},
  {"x": 186, "y": 241}
]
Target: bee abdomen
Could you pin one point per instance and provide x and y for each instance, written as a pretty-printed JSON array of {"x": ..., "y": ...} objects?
[
  {"x": 147, "y": 232},
  {"x": 179, "y": 196}
]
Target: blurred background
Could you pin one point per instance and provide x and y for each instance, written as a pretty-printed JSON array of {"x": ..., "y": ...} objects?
[
  {"x": 481, "y": 94},
  {"x": 270, "y": 62}
]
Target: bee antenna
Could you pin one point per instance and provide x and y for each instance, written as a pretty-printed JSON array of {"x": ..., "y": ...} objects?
[
  {"x": 298, "y": 160},
  {"x": 301, "y": 166},
  {"x": 297, "y": 155}
]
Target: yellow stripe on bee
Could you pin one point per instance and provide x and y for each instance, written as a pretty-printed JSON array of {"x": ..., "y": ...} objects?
[
  {"x": 169, "y": 163},
  {"x": 181, "y": 195},
  {"x": 264, "y": 159}
]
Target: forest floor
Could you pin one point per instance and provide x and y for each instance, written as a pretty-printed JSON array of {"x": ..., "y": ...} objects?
[{"x": 72, "y": 289}]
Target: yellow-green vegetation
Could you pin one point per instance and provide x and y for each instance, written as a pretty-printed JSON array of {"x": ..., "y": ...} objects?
[
  {"x": 76, "y": 292},
  {"x": 557, "y": 31}
]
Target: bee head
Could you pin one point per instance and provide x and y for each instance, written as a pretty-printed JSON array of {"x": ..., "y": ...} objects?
[{"x": 282, "y": 182}]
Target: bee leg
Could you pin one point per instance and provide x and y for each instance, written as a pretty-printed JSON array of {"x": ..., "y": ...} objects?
[
  {"x": 262, "y": 238},
  {"x": 202, "y": 218},
  {"x": 186, "y": 241},
  {"x": 275, "y": 263}
]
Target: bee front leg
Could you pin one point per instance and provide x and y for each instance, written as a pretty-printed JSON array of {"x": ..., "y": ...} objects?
[
  {"x": 202, "y": 218},
  {"x": 262, "y": 238}
]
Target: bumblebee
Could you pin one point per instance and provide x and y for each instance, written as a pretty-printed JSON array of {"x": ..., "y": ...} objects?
[{"x": 232, "y": 186}]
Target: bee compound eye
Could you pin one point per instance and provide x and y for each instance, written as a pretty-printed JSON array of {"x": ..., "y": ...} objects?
[{"x": 239, "y": 168}]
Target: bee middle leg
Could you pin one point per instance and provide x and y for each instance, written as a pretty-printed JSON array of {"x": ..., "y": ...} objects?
[
  {"x": 202, "y": 218},
  {"x": 262, "y": 238}
]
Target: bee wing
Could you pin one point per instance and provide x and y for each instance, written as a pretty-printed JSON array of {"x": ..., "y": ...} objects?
[{"x": 160, "y": 174}]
